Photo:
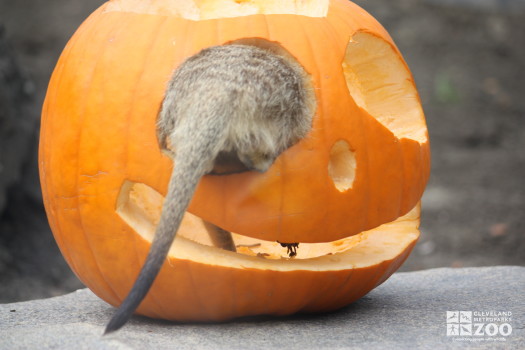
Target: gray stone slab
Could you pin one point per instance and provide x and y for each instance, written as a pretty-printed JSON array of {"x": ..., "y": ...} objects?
[{"x": 409, "y": 311}]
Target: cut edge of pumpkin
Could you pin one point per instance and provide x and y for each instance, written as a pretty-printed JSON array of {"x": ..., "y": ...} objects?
[
  {"x": 379, "y": 81},
  {"x": 215, "y": 9},
  {"x": 342, "y": 165},
  {"x": 139, "y": 206}
]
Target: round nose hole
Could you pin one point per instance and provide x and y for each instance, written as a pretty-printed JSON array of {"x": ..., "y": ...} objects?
[{"x": 342, "y": 165}]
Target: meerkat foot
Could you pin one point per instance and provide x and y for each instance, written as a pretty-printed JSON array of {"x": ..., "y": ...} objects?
[{"x": 220, "y": 238}]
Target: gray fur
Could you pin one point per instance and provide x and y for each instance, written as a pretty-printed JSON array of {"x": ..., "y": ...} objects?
[
  {"x": 233, "y": 98},
  {"x": 220, "y": 237}
]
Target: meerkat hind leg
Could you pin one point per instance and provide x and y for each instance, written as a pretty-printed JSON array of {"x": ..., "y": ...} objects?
[{"x": 219, "y": 237}]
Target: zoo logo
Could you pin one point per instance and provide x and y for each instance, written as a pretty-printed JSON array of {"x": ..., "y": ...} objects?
[{"x": 478, "y": 323}]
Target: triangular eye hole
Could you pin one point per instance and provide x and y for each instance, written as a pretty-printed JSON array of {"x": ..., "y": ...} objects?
[{"x": 380, "y": 83}]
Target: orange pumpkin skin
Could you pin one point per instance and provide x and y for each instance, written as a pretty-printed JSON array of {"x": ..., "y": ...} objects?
[{"x": 98, "y": 131}]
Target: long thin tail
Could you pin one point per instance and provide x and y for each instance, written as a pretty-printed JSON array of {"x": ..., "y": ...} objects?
[{"x": 190, "y": 166}]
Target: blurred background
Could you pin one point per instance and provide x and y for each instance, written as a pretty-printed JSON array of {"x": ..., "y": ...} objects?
[{"x": 468, "y": 60}]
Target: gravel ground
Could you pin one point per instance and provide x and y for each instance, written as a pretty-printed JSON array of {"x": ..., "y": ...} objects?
[{"x": 468, "y": 60}]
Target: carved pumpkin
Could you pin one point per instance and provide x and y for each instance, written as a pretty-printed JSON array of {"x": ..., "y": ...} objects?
[{"x": 348, "y": 192}]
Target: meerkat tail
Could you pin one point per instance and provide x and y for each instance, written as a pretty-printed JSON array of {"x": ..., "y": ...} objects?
[
  {"x": 233, "y": 99},
  {"x": 190, "y": 167}
]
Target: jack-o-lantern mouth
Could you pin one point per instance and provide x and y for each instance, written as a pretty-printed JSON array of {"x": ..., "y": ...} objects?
[{"x": 140, "y": 205}]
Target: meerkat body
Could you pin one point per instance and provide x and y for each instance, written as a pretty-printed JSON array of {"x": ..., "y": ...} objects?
[{"x": 233, "y": 99}]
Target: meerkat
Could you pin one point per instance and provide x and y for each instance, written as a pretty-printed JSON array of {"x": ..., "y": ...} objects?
[{"x": 226, "y": 101}]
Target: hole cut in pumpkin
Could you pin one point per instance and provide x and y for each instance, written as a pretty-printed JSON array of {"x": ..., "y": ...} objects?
[
  {"x": 342, "y": 165},
  {"x": 379, "y": 82},
  {"x": 213, "y": 9},
  {"x": 140, "y": 206}
]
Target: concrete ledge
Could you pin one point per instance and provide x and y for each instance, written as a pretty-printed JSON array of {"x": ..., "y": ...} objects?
[{"x": 408, "y": 311}]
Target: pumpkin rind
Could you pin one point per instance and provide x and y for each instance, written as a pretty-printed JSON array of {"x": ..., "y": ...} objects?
[
  {"x": 98, "y": 131},
  {"x": 210, "y": 284}
]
